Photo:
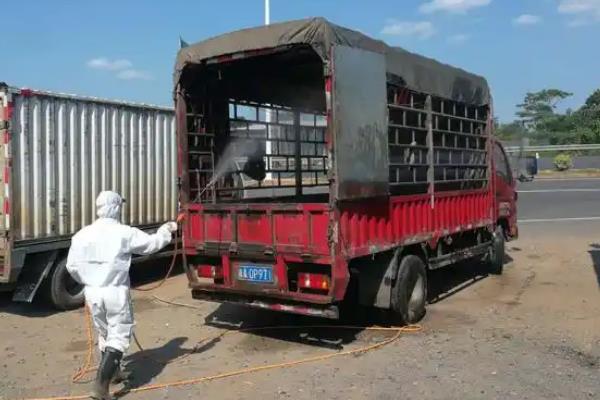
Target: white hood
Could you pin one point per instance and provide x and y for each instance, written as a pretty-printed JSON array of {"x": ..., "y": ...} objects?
[{"x": 108, "y": 205}]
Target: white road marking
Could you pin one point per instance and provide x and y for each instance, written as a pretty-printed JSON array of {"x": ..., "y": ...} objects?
[
  {"x": 566, "y": 179},
  {"x": 525, "y": 221},
  {"x": 558, "y": 190}
]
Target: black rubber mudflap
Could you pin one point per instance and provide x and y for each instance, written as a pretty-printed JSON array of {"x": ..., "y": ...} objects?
[{"x": 33, "y": 275}]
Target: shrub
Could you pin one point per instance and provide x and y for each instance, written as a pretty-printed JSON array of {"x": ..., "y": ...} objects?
[{"x": 563, "y": 162}]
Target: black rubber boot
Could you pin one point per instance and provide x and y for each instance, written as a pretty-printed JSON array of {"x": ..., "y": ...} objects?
[
  {"x": 106, "y": 372},
  {"x": 121, "y": 375}
]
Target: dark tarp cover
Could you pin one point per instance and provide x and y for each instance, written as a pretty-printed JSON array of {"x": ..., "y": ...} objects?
[{"x": 419, "y": 73}]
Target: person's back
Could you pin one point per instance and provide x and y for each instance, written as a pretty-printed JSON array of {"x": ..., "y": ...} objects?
[
  {"x": 101, "y": 252},
  {"x": 101, "y": 260}
]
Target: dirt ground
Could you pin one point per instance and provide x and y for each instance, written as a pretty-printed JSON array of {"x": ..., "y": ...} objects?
[{"x": 532, "y": 333}]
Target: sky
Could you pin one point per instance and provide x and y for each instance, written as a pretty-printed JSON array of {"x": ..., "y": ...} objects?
[{"x": 126, "y": 49}]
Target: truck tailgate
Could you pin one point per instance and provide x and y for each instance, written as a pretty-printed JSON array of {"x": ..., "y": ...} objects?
[{"x": 298, "y": 229}]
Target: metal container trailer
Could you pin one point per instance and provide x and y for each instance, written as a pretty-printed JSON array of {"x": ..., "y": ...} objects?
[
  {"x": 370, "y": 166},
  {"x": 58, "y": 152}
]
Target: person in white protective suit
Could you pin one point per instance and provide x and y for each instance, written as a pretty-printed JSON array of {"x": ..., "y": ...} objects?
[{"x": 99, "y": 258}]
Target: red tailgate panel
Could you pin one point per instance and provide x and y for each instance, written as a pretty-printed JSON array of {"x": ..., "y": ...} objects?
[
  {"x": 255, "y": 227},
  {"x": 301, "y": 229},
  {"x": 285, "y": 234},
  {"x": 218, "y": 227}
]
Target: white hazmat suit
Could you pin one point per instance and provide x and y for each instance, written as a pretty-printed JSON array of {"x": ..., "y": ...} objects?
[{"x": 100, "y": 257}]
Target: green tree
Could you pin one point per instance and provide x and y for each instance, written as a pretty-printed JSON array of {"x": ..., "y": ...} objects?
[
  {"x": 558, "y": 123},
  {"x": 593, "y": 100},
  {"x": 539, "y": 106},
  {"x": 540, "y": 122},
  {"x": 511, "y": 131},
  {"x": 588, "y": 115}
]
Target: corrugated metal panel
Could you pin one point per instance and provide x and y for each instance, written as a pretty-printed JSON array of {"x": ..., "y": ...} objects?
[
  {"x": 5, "y": 112},
  {"x": 66, "y": 149}
]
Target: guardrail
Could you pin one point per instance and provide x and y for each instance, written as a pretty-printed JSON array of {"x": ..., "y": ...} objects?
[{"x": 561, "y": 147}]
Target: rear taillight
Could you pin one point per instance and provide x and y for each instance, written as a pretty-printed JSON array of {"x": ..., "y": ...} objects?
[
  {"x": 313, "y": 281},
  {"x": 209, "y": 271}
]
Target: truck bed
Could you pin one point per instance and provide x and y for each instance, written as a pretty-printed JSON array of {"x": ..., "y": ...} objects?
[{"x": 294, "y": 230}]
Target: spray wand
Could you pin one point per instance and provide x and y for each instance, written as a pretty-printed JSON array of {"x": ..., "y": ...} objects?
[{"x": 210, "y": 184}]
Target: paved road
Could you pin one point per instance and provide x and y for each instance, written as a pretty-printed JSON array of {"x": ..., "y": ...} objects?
[{"x": 559, "y": 201}]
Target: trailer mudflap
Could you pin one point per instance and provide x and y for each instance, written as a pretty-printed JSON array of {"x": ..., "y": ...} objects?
[{"x": 32, "y": 277}]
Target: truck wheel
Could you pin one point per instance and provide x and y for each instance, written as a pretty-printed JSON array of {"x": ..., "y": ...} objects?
[
  {"x": 63, "y": 291},
  {"x": 496, "y": 259},
  {"x": 409, "y": 293}
]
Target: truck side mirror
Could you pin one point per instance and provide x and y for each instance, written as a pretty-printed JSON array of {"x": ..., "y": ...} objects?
[{"x": 531, "y": 165}]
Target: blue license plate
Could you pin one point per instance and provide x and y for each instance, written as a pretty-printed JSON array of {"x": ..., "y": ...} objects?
[{"x": 255, "y": 273}]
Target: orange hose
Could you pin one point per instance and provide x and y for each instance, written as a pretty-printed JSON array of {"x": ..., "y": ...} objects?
[
  {"x": 86, "y": 368},
  {"x": 185, "y": 382},
  {"x": 169, "y": 271}
]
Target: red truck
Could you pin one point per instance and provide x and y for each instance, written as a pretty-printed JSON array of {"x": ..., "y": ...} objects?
[{"x": 317, "y": 164}]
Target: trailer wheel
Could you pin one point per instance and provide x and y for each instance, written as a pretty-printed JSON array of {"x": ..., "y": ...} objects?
[
  {"x": 409, "y": 293},
  {"x": 63, "y": 291},
  {"x": 496, "y": 259}
]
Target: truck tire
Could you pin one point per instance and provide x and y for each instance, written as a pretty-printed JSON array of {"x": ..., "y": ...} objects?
[
  {"x": 409, "y": 293},
  {"x": 496, "y": 259},
  {"x": 63, "y": 291}
]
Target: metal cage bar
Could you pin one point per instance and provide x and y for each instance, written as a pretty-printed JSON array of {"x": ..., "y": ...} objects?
[
  {"x": 290, "y": 143},
  {"x": 434, "y": 143}
]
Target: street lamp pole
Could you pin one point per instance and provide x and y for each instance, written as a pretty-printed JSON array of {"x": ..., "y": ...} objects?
[
  {"x": 267, "y": 12},
  {"x": 268, "y": 144}
]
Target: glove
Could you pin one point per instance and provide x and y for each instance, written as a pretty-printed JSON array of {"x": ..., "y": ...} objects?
[{"x": 171, "y": 226}]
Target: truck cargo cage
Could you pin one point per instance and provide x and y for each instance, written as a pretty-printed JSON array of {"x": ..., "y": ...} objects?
[
  {"x": 435, "y": 140},
  {"x": 280, "y": 138},
  {"x": 247, "y": 143}
]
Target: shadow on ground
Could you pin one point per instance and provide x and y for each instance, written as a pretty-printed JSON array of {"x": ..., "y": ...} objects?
[
  {"x": 443, "y": 283},
  {"x": 274, "y": 332},
  {"x": 446, "y": 282},
  {"x": 147, "y": 364},
  {"x": 39, "y": 308},
  {"x": 290, "y": 328},
  {"x": 143, "y": 274},
  {"x": 595, "y": 256}
]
